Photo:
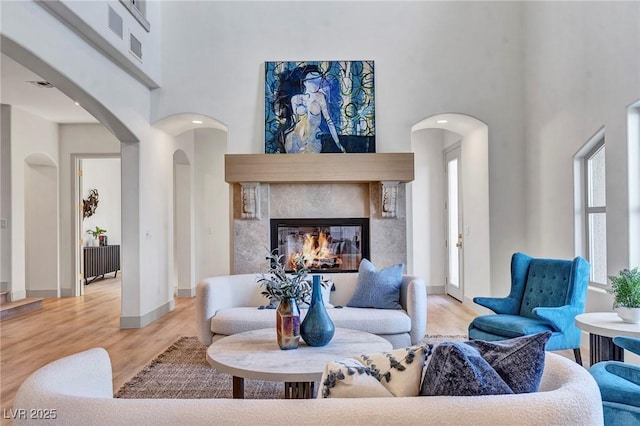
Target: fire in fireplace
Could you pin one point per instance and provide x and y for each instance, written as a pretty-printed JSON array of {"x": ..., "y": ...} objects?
[{"x": 327, "y": 245}]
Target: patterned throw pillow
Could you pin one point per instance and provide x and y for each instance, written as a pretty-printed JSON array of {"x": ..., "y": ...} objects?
[
  {"x": 486, "y": 368},
  {"x": 398, "y": 373},
  {"x": 350, "y": 379},
  {"x": 377, "y": 289}
]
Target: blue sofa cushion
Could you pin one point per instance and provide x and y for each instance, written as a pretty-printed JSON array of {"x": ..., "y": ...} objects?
[
  {"x": 486, "y": 368},
  {"x": 377, "y": 289},
  {"x": 547, "y": 285},
  {"x": 511, "y": 325}
]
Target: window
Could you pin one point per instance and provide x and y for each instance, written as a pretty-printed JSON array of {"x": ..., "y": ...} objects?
[
  {"x": 595, "y": 212},
  {"x": 138, "y": 8}
]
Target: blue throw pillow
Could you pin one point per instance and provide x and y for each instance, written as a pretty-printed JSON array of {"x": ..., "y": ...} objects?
[
  {"x": 486, "y": 368},
  {"x": 456, "y": 369},
  {"x": 377, "y": 289},
  {"x": 519, "y": 361}
]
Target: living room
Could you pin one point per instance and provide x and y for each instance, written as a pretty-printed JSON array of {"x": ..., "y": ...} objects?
[{"x": 544, "y": 78}]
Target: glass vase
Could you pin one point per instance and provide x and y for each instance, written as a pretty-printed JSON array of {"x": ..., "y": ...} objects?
[
  {"x": 288, "y": 324},
  {"x": 317, "y": 329}
]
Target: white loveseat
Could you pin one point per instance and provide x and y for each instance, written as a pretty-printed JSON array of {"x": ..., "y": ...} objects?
[
  {"x": 228, "y": 304},
  {"x": 77, "y": 390}
]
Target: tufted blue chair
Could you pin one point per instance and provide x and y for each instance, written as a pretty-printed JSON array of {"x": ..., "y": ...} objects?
[
  {"x": 546, "y": 295},
  {"x": 620, "y": 386}
]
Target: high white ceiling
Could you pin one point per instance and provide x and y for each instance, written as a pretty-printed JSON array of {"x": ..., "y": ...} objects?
[{"x": 48, "y": 103}]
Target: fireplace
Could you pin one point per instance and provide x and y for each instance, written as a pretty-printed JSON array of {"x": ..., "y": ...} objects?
[{"x": 328, "y": 245}]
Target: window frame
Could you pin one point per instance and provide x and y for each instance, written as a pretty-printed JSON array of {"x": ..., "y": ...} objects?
[{"x": 594, "y": 147}]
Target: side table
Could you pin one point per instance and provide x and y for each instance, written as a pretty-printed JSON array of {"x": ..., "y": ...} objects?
[{"x": 602, "y": 327}]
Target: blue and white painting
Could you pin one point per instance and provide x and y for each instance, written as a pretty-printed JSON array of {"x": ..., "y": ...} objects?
[{"x": 319, "y": 106}]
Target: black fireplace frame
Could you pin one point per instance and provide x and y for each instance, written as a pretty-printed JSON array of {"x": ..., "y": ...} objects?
[{"x": 324, "y": 222}]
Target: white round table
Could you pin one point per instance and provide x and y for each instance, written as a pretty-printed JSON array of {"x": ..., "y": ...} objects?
[
  {"x": 256, "y": 355},
  {"x": 602, "y": 327}
]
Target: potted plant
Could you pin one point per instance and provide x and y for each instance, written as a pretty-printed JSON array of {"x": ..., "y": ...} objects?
[
  {"x": 288, "y": 290},
  {"x": 625, "y": 288},
  {"x": 96, "y": 233}
]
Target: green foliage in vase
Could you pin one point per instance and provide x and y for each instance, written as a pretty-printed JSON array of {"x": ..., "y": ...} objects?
[
  {"x": 96, "y": 232},
  {"x": 279, "y": 285},
  {"x": 625, "y": 288}
]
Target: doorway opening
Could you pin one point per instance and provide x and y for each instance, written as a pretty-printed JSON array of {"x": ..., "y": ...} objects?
[
  {"x": 448, "y": 206},
  {"x": 98, "y": 190}
]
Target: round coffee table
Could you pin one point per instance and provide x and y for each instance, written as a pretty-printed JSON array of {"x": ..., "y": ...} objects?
[
  {"x": 602, "y": 327},
  {"x": 256, "y": 355}
]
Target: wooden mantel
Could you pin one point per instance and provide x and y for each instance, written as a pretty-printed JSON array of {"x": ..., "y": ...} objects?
[{"x": 319, "y": 168}]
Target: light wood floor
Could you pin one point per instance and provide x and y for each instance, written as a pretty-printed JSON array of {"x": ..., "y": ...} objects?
[{"x": 73, "y": 324}]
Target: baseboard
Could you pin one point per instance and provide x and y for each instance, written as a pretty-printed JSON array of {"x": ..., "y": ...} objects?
[
  {"x": 17, "y": 295},
  {"x": 186, "y": 292},
  {"x": 4, "y": 286},
  {"x": 41, "y": 294},
  {"x": 66, "y": 292},
  {"x": 435, "y": 289},
  {"x": 149, "y": 317}
]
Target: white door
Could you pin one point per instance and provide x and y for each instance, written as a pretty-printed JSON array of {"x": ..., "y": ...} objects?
[{"x": 453, "y": 221}]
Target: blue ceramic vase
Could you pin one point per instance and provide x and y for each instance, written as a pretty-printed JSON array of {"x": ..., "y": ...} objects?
[{"x": 317, "y": 329}]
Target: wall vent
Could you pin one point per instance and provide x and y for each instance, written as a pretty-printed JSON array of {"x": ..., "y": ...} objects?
[
  {"x": 135, "y": 46},
  {"x": 115, "y": 22},
  {"x": 41, "y": 84}
]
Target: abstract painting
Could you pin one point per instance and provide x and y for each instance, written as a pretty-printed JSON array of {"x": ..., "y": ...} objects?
[{"x": 319, "y": 106}]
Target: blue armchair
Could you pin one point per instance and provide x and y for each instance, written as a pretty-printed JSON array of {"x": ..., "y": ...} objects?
[
  {"x": 620, "y": 386},
  {"x": 546, "y": 295}
]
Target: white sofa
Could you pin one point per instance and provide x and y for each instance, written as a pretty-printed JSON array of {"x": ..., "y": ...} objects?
[
  {"x": 78, "y": 390},
  {"x": 228, "y": 304}
]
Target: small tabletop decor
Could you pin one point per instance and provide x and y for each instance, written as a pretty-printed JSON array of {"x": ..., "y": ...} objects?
[
  {"x": 625, "y": 288},
  {"x": 97, "y": 235},
  {"x": 289, "y": 290},
  {"x": 317, "y": 329}
]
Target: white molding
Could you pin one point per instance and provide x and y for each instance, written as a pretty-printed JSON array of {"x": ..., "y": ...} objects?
[
  {"x": 148, "y": 318},
  {"x": 186, "y": 292},
  {"x": 42, "y": 293}
]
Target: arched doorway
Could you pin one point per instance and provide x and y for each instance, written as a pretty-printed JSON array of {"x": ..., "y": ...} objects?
[
  {"x": 437, "y": 142},
  {"x": 201, "y": 202}
]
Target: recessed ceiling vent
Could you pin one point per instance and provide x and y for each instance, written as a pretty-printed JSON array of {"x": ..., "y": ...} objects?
[{"x": 41, "y": 84}]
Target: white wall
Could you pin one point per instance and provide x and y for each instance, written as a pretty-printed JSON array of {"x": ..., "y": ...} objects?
[
  {"x": 37, "y": 139},
  {"x": 454, "y": 56},
  {"x": 103, "y": 174},
  {"x": 475, "y": 212},
  {"x": 41, "y": 229},
  {"x": 183, "y": 230},
  {"x": 582, "y": 71},
  {"x": 427, "y": 194},
  {"x": 78, "y": 141},
  {"x": 212, "y": 207},
  {"x": 96, "y": 15},
  {"x": 5, "y": 197}
]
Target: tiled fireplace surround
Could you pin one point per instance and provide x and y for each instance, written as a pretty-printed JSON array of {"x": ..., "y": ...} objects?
[{"x": 254, "y": 204}]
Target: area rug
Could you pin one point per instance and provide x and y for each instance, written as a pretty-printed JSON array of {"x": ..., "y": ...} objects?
[{"x": 182, "y": 372}]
